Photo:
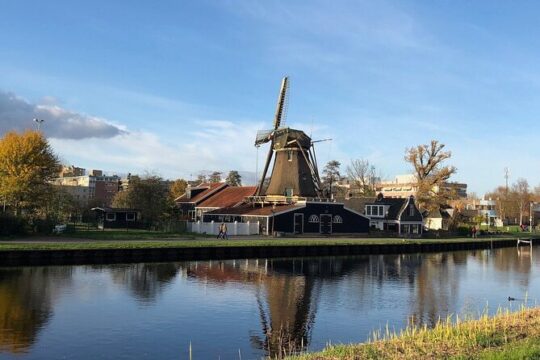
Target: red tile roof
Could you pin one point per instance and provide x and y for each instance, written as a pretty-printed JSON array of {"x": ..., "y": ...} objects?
[
  {"x": 228, "y": 197},
  {"x": 209, "y": 188},
  {"x": 255, "y": 210}
]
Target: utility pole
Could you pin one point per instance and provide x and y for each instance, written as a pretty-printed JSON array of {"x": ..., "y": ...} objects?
[{"x": 506, "y": 176}]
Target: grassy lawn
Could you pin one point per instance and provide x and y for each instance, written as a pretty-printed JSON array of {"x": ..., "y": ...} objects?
[
  {"x": 114, "y": 240},
  {"x": 504, "y": 336}
]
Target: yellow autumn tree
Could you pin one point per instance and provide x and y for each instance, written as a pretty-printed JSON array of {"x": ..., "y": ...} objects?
[
  {"x": 178, "y": 188},
  {"x": 27, "y": 164}
]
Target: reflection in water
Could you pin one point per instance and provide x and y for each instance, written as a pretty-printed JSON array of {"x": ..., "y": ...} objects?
[
  {"x": 145, "y": 281},
  {"x": 27, "y": 298},
  {"x": 287, "y": 293}
]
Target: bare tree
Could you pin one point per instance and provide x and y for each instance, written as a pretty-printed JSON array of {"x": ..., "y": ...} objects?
[
  {"x": 427, "y": 161},
  {"x": 523, "y": 194},
  {"x": 362, "y": 174}
]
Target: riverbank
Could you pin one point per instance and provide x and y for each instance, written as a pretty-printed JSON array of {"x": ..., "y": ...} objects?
[
  {"x": 58, "y": 250},
  {"x": 504, "y": 336},
  {"x": 80, "y": 243}
]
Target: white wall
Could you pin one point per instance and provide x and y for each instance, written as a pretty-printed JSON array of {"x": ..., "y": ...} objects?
[{"x": 233, "y": 229}]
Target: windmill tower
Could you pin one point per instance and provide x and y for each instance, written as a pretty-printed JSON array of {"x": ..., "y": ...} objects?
[{"x": 294, "y": 173}]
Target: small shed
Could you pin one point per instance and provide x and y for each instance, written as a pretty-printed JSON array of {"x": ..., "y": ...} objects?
[{"x": 117, "y": 218}]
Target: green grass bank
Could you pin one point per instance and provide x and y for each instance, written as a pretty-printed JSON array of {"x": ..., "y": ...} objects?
[
  {"x": 102, "y": 240},
  {"x": 505, "y": 336}
]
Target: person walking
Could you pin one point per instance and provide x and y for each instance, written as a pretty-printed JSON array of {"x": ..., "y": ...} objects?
[
  {"x": 221, "y": 233},
  {"x": 225, "y": 236},
  {"x": 473, "y": 231}
]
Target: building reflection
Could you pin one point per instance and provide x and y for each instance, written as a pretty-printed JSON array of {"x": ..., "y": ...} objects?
[
  {"x": 287, "y": 293},
  {"x": 27, "y": 297}
]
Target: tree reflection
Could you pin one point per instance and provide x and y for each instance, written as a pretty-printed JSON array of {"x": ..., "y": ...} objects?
[
  {"x": 26, "y": 303},
  {"x": 146, "y": 281}
]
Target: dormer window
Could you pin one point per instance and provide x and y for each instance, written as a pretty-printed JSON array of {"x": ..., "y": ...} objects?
[
  {"x": 375, "y": 210},
  {"x": 411, "y": 210}
]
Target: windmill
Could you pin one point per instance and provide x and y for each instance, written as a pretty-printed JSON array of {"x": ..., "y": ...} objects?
[{"x": 295, "y": 172}]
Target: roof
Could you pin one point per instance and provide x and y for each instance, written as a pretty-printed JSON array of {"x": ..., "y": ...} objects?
[
  {"x": 434, "y": 214},
  {"x": 255, "y": 210},
  {"x": 357, "y": 204},
  {"x": 207, "y": 190},
  {"x": 396, "y": 206},
  {"x": 470, "y": 213},
  {"x": 109, "y": 209},
  {"x": 228, "y": 197}
]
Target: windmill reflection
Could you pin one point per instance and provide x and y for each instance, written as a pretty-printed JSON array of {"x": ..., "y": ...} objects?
[{"x": 287, "y": 293}]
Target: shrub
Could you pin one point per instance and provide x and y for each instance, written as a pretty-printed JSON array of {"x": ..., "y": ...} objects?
[{"x": 13, "y": 225}]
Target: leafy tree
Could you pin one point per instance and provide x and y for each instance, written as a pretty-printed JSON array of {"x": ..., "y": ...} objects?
[
  {"x": 60, "y": 204},
  {"x": 215, "y": 177},
  {"x": 362, "y": 175},
  {"x": 178, "y": 188},
  {"x": 27, "y": 164},
  {"x": 331, "y": 175},
  {"x": 234, "y": 178},
  {"x": 149, "y": 195},
  {"x": 431, "y": 175}
]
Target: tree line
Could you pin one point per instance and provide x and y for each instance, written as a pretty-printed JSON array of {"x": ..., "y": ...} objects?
[{"x": 29, "y": 202}]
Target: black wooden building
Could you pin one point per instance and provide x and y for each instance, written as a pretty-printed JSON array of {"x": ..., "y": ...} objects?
[
  {"x": 117, "y": 218},
  {"x": 298, "y": 218}
]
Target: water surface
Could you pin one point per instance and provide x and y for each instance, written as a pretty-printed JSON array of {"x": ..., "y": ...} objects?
[{"x": 251, "y": 307}]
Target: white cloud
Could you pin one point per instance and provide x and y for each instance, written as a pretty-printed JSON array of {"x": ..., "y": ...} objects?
[
  {"x": 17, "y": 114},
  {"x": 212, "y": 145}
]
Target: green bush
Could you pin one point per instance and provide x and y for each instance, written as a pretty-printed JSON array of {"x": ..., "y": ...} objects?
[
  {"x": 463, "y": 230},
  {"x": 13, "y": 225},
  {"x": 44, "y": 226}
]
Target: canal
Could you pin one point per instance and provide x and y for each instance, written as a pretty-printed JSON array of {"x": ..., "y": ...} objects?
[{"x": 248, "y": 308}]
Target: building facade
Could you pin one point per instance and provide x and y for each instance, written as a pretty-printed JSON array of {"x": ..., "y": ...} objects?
[
  {"x": 395, "y": 215},
  {"x": 87, "y": 188},
  {"x": 404, "y": 186}
]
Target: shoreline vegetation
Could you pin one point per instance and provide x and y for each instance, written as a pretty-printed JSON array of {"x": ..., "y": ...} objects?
[
  {"x": 93, "y": 240},
  {"x": 507, "y": 335}
]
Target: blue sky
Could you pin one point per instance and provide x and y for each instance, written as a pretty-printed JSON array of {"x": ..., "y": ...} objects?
[{"x": 177, "y": 87}]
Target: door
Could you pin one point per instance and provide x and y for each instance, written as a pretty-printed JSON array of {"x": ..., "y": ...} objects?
[
  {"x": 325, "y": 226},
  {"x": 298, "y": 223}
]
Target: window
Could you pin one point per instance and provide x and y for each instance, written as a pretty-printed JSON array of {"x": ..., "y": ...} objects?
[
  {"x": 411, "y": 210},
  {"x": 313, "y": 219},
  {"x": 288, "y": 192},
  {"x": 289, "y": 155},
  {"x": 368, "y": 210},
  {"x": 381, "y": 210},
  {"x": 110, "y": 216},
  {"x": 338, "y": 219},
  {"x": 375, "y": 211},
  {"x": 130, "y": 216}
]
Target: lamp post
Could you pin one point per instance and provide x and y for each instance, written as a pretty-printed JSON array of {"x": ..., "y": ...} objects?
[
  {"x": 531, "y": 214},
  {"x": 38, "y": 122}
]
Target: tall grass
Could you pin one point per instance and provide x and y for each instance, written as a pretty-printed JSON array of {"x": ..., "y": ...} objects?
[{"x": 452, "y": 337}]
